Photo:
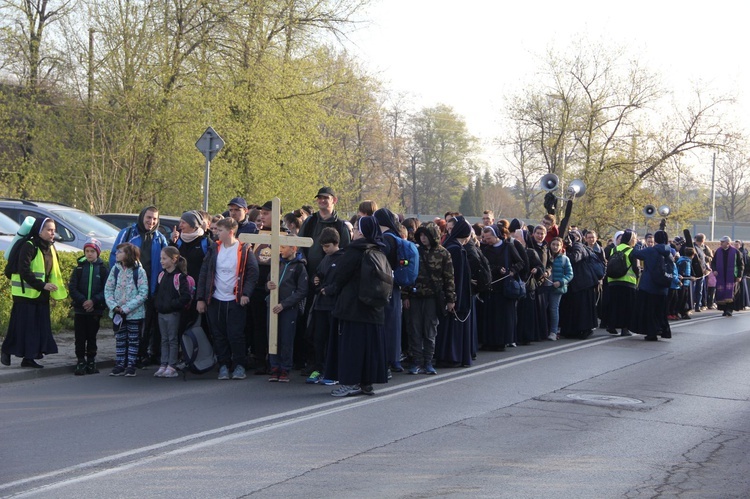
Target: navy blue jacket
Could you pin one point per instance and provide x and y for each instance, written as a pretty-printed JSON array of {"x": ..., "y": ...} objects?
[{"x": 651, "y": 261}]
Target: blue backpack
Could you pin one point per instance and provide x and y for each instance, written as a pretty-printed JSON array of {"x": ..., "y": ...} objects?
[{"x": 407, "y": 268}]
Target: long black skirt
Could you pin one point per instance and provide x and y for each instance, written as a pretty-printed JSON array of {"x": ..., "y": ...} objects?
[
  {"x": 621, "y": 306},
  {"x": 361, "y": 354},
  {"x": 578, "y": 313},
  {"x": 29, "y": 330},
  {"x": 528, "y": 327},
  {"x": 499, "y": 321},
  {"x": 454, "y": 342},
  {"x": 650, "y": 315}
]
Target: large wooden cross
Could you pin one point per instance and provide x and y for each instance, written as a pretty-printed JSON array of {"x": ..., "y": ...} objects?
[{"x": 275, "y": 239}]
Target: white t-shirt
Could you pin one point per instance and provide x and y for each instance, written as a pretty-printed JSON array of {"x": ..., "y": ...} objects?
[{"x": 226, "y": 273}]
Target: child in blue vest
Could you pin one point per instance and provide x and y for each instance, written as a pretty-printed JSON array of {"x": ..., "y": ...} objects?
[
  {"x": 86, "y": 288},
  {"x": 292, "y": 290},
  {"x": 171, "y": 302}
]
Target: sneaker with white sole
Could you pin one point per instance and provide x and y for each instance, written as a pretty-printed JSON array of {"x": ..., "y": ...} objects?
[
  {"x": 346, "y": 391},
  {"x": 239, "y": 373},
  {"x": 160, "y": 372},
  {"x": 314, "y": 378},
  {"x": 224, "y": 372},
  {"x": 552, "y": 337},
  {"x": 130, "y": 372},
  {"x": 328, "y": 382},
  {"x": 170, "y": 372}
]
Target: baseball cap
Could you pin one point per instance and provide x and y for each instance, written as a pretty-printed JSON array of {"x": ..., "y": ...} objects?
[
  {"x": 239, "y": 202},
  {"x": 325, "y": 191}
]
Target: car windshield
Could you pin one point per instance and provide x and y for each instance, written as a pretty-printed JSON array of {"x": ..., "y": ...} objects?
[
  {"x": 8, "y": 226},
  {"x": 87, "y": 224}
]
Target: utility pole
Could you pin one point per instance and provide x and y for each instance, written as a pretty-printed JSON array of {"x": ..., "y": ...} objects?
[{"x": 713, "y": 196}]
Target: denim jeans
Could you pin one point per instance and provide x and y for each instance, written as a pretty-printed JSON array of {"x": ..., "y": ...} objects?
[
  {"x": 287, "y": 327},
  {"x": 553, "y": 306}
]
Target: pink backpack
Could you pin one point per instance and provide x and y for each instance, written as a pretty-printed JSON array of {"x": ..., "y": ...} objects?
[{"x": 176, "y": 283}]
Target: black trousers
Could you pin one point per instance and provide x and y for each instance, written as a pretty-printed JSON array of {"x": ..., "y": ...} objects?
[{"x": 86, "y": 327}]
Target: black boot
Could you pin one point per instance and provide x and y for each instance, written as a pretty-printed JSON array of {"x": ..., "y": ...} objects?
[
  {"x": 91, "y": 366},
  {"x": 30, "y": 363},
  {"x": 80, "y": 368},
  {"x": 5, "y": 359}
]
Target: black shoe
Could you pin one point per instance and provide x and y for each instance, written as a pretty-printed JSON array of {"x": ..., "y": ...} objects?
[
  {"x": 30, "y": 363},
  {"x": 651, "y": 338},
  {"x": 91, "y": 367},
  {"x": 80, "y": 368},
  {"x": 625, "y": 332},
  {"x": 5, "y": 359},
  {"x": 367, "y": 390},
  {"x": 611, "y": 330}
]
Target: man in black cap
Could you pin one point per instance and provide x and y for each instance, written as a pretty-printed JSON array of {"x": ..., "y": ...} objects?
[
  {"x": 312, "y": 227},
  {"x": 238, "y": 211}
]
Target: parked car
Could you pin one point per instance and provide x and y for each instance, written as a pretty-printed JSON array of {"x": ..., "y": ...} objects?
[
  {"x": 73, "y": 225},
  {"x": 167, "y": 224},
  {"x": 8, "y": 230}
]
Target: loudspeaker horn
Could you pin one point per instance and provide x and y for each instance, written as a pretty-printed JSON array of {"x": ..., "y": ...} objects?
[
  {"x": 649, "y": 210},
  {"x": 549, "y": 182},
  {"x": 576, "y": 189},
  {"x": 663, "y": 210}
]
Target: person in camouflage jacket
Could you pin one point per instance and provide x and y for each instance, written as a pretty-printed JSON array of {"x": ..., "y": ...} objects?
[{"x": 431, "y": 297}]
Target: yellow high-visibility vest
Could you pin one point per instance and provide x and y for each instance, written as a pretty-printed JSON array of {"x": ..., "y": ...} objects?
[{"x": 20, "y": 288}]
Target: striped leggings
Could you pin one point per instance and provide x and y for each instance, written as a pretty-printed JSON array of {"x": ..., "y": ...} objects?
[{"x": 126, "y": 343}]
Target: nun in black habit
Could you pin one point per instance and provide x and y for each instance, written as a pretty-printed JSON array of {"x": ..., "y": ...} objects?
[{"x": 453, "y": 345}]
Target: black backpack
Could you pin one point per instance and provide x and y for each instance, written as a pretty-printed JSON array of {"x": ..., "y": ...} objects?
[
  {"x": 663, "y": 274},
  {"x": 11, "y": 266},
  {"x": 375, "y": 278},
  {"x": 617, "y": 265},
  {"x": 197, "y": 351}
]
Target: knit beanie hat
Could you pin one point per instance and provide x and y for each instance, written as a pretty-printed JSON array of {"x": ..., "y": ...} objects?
[
  {"x": 193, "y": 219},
  {"x": 93, "y": 243}
]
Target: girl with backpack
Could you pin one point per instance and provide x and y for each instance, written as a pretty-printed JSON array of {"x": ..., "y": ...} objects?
[
  {"x": 126, "y": 292},
  {"x": 34, "y": 273},
  {"x": 172, "y": 298}
]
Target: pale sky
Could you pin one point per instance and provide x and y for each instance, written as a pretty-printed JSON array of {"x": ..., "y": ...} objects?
[{"x": 471, "y": 54}]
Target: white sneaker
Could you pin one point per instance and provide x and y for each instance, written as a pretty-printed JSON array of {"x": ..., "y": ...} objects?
[
  {"x": 160, "y": 372},
  {"x": 170, "y": 372},
  {"x": 552, "y": 337}
]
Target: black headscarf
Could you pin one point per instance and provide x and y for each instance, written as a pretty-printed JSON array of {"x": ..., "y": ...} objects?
[
  {"x": 626, "y": 236},
  {"x": 370, "y": 229},
  {"x": 386, "y": 218},
  {"x": 661, "y": 237},
  {"x": 36, "y": 231},
  {"x": 461, "y": 229}
]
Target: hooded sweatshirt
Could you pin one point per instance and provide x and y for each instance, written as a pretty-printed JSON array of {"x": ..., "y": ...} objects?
[
  {"x": 435, "y": 267},
  {"x": 150, "y": 243}
]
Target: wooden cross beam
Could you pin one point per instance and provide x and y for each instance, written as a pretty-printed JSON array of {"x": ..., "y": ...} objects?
[{"x": 275, "y": 239}]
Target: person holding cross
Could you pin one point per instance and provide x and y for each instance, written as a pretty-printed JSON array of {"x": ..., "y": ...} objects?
[
  {"x": 292, "y": 288},
  {"x": 227, "y": 280}
]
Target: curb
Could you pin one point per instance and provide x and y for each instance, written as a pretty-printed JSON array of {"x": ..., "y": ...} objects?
[{"x": 29, "y": 373}]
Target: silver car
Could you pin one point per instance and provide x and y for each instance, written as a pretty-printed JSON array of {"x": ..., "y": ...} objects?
[{"x": 73, "y": 225}]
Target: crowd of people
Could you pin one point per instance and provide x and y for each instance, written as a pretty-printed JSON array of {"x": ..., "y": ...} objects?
[{"x": 488, "y": 286}]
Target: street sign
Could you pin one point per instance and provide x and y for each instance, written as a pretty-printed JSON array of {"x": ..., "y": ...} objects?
[{"x": 210, "y": 143}]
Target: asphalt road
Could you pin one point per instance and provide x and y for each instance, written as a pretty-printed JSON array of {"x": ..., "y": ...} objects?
[{"x": 605, "y": 417}]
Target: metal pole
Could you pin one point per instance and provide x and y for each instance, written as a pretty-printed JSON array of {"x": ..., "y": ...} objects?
[
  {"x": 205, "y": 185},
  {"x": 713, "y": 196}
]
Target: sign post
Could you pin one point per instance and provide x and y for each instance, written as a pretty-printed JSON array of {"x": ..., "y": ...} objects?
[
  {"x": 275, "y": 239},
  {"x": 209, "y": 144}
]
